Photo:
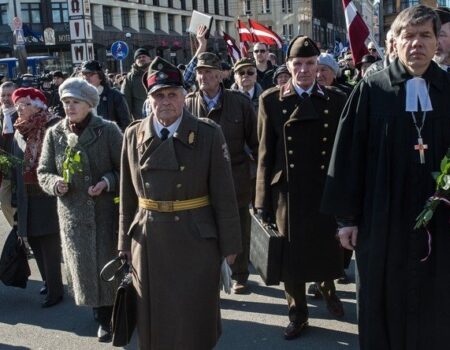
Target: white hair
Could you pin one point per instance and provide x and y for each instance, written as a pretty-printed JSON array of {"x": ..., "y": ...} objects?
[{"x": 38, "y": 103}]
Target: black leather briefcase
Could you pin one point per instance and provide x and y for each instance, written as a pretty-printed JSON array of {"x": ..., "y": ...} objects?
[{"x": 266, "y": 251}]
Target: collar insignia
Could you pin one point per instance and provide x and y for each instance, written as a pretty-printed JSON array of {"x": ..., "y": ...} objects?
[{"x": 191, "y": 138}]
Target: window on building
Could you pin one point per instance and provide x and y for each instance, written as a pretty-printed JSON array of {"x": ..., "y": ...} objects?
[
  {"x": 141, "y": 19},
  {"x": 194, "y": 5},
  {"x": 60, "y": 13},
  {"x": 247, "y": 7},
  {"x": 141, "y": 1},
  {"x": 225, "y": 4},
  {"x": 183, "y": 4},
  {"x": 206, "y": 6},
  {"x": 289, "y": 5},
  {"x": 170, "y": 3},
  {"x": 183, "y": 24},
  {"x": 266, "y": 6},
  {"x": 408, "y": 3},
  {"x": 285, "y": 31},
  {"x": 157, "y": 20},
  {"x": 125, "y": 17},
  {"x": 156, "y": 2},
  {"x": 171, "y": 21},
  {"x": 31, "y": 12},
  {"x": 107, "y": 16},
  {"x": 291, "y": 31},
  {"x": 92, "y": 14},
  {"x": 3, "y": 14},
  {"x": 391, "y": 6},
  {"x": 216, "y": 7}
]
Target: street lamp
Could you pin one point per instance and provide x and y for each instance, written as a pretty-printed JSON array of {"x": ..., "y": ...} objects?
[{"x": 129, "y": 41}]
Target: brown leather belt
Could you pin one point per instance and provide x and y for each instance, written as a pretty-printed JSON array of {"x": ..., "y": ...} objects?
[{"x": 171, "y": 206}]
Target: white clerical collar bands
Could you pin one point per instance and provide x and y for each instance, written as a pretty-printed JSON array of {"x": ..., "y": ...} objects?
[{"x": 417, "y": 92}]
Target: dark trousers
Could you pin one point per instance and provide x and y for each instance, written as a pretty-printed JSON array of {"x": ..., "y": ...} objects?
[
  {"x": 239, "y": 269},
  {"x": 47, "y": 252}
]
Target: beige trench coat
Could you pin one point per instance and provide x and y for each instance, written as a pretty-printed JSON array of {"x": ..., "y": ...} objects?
[{"x": 176, "y": 256}]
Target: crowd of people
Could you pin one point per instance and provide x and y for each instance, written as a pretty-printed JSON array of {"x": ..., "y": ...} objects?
[{"x": 166, "y": 166}]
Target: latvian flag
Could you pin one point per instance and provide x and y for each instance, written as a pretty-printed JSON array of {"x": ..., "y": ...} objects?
[
  {"x": 232, "y": 48},
  {"x": 357, "y": 31},
  {"x": 264, "y": 34}
]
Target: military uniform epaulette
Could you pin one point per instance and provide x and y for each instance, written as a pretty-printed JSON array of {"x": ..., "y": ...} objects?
[
  {"x": 274, "y": 89},
  {"x": 211, "y": 123}
]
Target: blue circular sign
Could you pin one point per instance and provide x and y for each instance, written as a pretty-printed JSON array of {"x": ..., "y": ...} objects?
[{"x": 119, "y": 50}]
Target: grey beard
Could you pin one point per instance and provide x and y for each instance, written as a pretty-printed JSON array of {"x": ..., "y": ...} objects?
[{"x": 440, "y": 59}]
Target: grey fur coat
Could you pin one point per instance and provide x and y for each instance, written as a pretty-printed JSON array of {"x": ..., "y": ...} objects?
[{"x": 88, "y": 224}]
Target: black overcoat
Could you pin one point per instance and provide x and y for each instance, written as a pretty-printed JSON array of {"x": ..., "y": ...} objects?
[
  {"x": 296, "y": 139},
  {"x": 375, "y": 174}
]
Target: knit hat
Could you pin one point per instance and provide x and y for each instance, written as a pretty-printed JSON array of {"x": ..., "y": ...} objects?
[
  {"x": 328, "y": 60},
  {"x": 141, "y": 51},
  {"x": 30, "y": 92},
  {"x": 79, "y": 89},
  {"x": 281, "y": 69}
]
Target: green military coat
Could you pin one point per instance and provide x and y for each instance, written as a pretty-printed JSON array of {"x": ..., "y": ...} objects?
[{"x": 176, "y": 256}]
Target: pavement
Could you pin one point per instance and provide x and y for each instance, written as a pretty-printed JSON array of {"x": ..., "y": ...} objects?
[{"x": 251, "y": 321}]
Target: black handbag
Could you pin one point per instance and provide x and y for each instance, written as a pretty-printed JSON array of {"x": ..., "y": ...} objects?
[
  {"x": 14, "y": 268},
  {"x": 266, "y": 251},
  {"x": 123, "y": 320}
]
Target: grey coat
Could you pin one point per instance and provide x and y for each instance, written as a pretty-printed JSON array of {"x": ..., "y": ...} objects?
[{"x": 88, "y": 224}]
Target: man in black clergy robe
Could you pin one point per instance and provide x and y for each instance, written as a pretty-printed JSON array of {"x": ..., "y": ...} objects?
[{"x": 393, "y": 133}]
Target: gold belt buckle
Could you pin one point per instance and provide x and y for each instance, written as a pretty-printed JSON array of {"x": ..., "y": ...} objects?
[{"x": 165, "y": 206}]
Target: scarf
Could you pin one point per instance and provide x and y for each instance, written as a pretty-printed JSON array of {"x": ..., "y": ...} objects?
[
  {"x": 78, "y": 128},
  {"x": 33, "y": 132}
]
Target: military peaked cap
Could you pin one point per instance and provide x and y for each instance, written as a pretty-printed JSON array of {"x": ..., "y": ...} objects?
[
  {"x": 302, "y": 46},
  {"x": 161, "y": 74},
  {"x": 244, "y": 62},
  {"x": 209, "y": 60}
]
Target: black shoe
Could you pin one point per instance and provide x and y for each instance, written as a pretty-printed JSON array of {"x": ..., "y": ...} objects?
[
  {"x": 294, "y": 329},
  {"x": 104, "y": 334},
  {"x": 50, "y": 303},
  {"x": 43, "y": 290},
  {"x": 315, "y": 291}
]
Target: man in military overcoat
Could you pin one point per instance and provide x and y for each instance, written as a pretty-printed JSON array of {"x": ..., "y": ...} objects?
[
  {"x": 296, "y": 125},
  {"x": 178, "y": 217},
  {"x": 234, "y": 112}
]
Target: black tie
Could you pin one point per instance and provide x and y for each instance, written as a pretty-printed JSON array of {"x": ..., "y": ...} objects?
[
  {"x": 164, "y": 134},
  {"x": 304, "y": 95}
]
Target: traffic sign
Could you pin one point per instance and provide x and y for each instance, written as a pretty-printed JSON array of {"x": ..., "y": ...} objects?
[{"x": 119, "y": 50}]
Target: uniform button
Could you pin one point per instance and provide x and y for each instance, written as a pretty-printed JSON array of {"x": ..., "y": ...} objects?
[
  {"x": 288, "y": 125},
  {"x": 324, "y": 139},
  {"x": 86, "y": 178},
  {"x": 323, "y": 153},
  {"x": 289, "y": 138},
  {"x": 291, "y": 151},
  {"x": 291, "y": 165},
  {"x": 325, "y": 125},
  {"x": 147, "y": 185},
  {"x": 182, "y": 168},
  {"x": 322, "y": 167},
  {"x": 325, "y": 111},
  {"x": 284, "y": 111},
  {"x": 179, "y": 185},
  {"x": 150, "y": 218},
  {"x": 176, "y": 218}
]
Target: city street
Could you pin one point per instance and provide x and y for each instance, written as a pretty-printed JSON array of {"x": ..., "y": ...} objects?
[{"x": 252, "y": 321}]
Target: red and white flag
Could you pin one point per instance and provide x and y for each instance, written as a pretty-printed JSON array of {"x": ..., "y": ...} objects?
[
  {"x": 245, "y": 48},
  {"x": 232, "y": 48},
  {"x": 357, "y": 29},
  {"x": 244, "y": 33},
  {"x": 264, "y": 34}
]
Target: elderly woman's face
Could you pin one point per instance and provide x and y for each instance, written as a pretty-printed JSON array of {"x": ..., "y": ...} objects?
[
  {"x": 283, "y": 78},
  {"x": 76, "y": 110},
  {"x": 25, "y": 108},
  {"x": 325, "y": 75}
]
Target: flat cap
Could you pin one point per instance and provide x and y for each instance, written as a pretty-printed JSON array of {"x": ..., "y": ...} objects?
[
  {"x": 209, "y": 60},
  {"x": 91, "y": 66},
  {"x": 79, "y": 89},
  {"x": 161, "y": 74},
  {"x": 141, "y": 51},
  {"x": 366, "y": 59},
  {"x": 328, "y": 60},
  {"x": 244, "y": 62},
  {"x": 302, "y": 46}
]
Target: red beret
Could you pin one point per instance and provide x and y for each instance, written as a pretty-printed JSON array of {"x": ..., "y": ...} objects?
[{"x": 31, "y": 92}]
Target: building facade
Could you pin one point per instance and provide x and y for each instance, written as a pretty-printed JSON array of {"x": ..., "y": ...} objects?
[{"x": 158, "y": 25}]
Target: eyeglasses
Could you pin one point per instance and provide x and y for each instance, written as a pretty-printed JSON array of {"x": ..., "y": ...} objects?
[
  {"x": 248, "y": 72},
  {"x": 259, "y": 51},
  {"x": 22, "y": 105}
]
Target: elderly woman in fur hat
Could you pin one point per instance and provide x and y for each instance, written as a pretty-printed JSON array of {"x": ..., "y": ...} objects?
[
  {"x": 80, "y": 165},
  {"x": 36, "y": 211}
]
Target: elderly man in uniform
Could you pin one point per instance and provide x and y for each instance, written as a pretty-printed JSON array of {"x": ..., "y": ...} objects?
[
  {"x": 297, "y": 123},
  {"x": 178, "y": 217},
  {"x": 235, "y": 114},
  {"x": 245, "y": 80},
  {"x": 393, "y": 134}
]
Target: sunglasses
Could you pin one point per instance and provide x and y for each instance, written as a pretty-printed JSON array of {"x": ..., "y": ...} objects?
[
  {"x": 259, "y": 51},
  {"x": 248, "y": 72}
]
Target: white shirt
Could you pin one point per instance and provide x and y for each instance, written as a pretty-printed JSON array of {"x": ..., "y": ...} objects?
[
  {"x": 417, "y": 92},
  {"x": 250, "y": 92},
  {"x": 212, "y": 102},
  {"x": 172, "y": 127},
  {"x": 8, "y": 127},
  {"x": 299, "y": 90}
]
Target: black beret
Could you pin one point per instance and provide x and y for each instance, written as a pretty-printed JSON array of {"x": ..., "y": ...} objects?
[
  {"x": 161, "y": 74},
  {"x": 91, "y": 66},
  {"x": 141, "y": 51},
  {"x": 302, "y": 46}
]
